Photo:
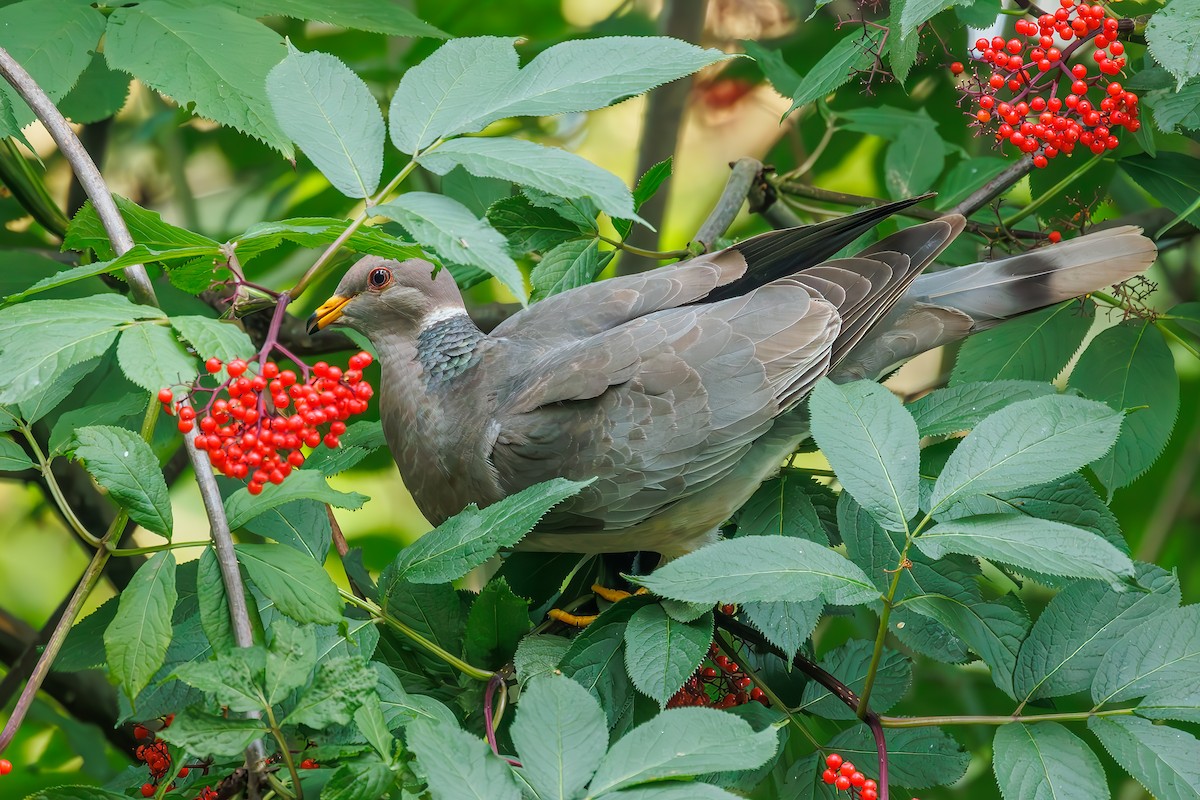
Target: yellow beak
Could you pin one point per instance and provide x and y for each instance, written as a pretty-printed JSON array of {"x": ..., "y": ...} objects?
[{"x": 328, "y": 313}]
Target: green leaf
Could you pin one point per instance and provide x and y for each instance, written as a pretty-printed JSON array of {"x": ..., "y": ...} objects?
[
  {"x": 54, "y": 335},
  {"x": 12, "y": 457},
  {"x": 204, "y": 735},
  {"x": 214, "y": 338},
  {"x": 399, "y": 707},
  {"x": 459, "y": 766},
  {"x": 432, "y": 610},
  {"x": 301, "y": 524},
  {"x": 1027, "y": 443},
  {"x": 1029, "y": 543},
  {"x": 596, "y": 660},
  {"x": 1034, "y": 347},
  {"x": 299, "y": 587},
  {"x": 902, "y": 55},
  {"x": 682, "y": 741},
  {"x": 1171, "y": 35},
  {"x": 962, "y": 407},
  {"x": 214, "y": 603},
  {"x": 98, "y": 94},
  {"x": 1158, "y": 654},
  {"x": 850, "y": 663},
  {"x": 53, "y": 40},
  {"x": 454, "y": 232},
  {"x": 673, "y": 790},
  {"x": 775, "y": 69},
  {"x": 1173, "y": 179},
  {"x": 495, "y": 624},
  {"x": 1046, "y": 762},
  {"x": 138, "y": 254},
  {"x": 914, "y": 161},
  {"x": 529, "y": 164},
  {"x": 993, "y": 629},
  {"x": 560, "y": 734},
  {"x": 781, "y": 506},
  {"x": 329, "y": 112},
  {"x": 917, "y": 757},
  {"x": 568, "y": 266},
  {"x": 241, "y": 506},
  {"x": 86, "y": 231},
  {"x": 1127, "y": 366},
  {"x": 322, "y": 231},
  {"x": 136, "y": 641},
  {"x": 1070, "y": 638},
  {"x": 361, "y": 15},
  {"x": 125, "y": 411},
  {"x": 472, "y": 536},
  {"x": 211, "y": 57},
  {"x": 918, "y": 12},
  {"x": 527, "y": 227},
  {"x": 46, "y": 398},
  {"x": 965, "y": 177},
  {"x": 538, "y": 654},
  {"x": 290, "y": 660},
  {"x": 471, "y": 82},
  {"x": 359, "y": 780},
  {"x": 1179, "y": 702},
  {"x": 852, "y": 53},
  {"x": 761, "y": 568},
  {"x": 235, "y": 679},
  {"x": 340, "y": 686},
  {"x": 786, "y": 625},
  {"x": 127, "y": 468},
  {"x": 151, "y": 357},
  {"x": 872, "y": 443},
  {"x": 661, "y": 653},
  {"x": 1176, "y": 111},
  {"x": 647, "y": 186},
  {"x": 1159, "y": 757}
]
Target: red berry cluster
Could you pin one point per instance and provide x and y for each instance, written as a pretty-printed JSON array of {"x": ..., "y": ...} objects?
[
  {"x": 845, "y": 777},
  {"x": 720, "y": 684},
  {"x": 258, "y": 429},
  {"x": 1021, "y": 94},
  {"x": 155, "y": 754}
]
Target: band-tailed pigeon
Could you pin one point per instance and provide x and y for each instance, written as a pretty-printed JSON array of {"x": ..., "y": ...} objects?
[{"x": 676, "y": 389}]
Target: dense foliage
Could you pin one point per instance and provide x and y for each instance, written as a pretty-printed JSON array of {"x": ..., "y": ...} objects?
[{"x": 934, "y": 595}]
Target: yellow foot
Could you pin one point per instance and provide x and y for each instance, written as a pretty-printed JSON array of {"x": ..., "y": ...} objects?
[{"x": 583, "y": 620}]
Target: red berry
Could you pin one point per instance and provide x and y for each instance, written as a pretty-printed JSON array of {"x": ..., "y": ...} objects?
[
  {"x": 213, "y": 365},
  {"x": 148, "y": 790},
  {"x": 858, "y": 779},
  {"x": 842, "y": 783},
  {"x": 1055, "y": 237},
  {"x": 956, "y": 68},
  {"x": 5, "y": 766},
  {"x": 847, "y": 769},
  {"x": 869, "y": 794},
  {"x": 833, "y": 760},
  {"x": 236, "y": 368},
  {"x": 165, "y": 396},
  {"x": 828, "y": 776}
]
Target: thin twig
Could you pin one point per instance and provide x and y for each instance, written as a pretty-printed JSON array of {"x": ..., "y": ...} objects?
[
  {"x": 995, "y": 187},
  {"x": 92, "y": 181},
  {"x": 999, "y": 719},
  {"x": 742, "y": 176}
]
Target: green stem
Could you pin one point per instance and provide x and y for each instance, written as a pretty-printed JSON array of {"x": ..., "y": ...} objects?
[
  {"x": 658, "y": 255},
  {"x": 723, "y": 642},
  {"x": 1057, "y": 191},
  {"x": 886, "y": 615},
  {"x": 154, "y": 548},
  {"x": 323, "y": 260},
  {"x": 284, "y": 752},
  {"x": 445, "y": 655},
  {"x": 1000, "y": 719},
  {"x": 56, "y": 492}
]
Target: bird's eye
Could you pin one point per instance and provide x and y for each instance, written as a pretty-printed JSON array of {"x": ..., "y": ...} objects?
[{"x": 379, "y": 278}]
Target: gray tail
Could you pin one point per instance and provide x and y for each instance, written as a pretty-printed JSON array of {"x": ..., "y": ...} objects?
[
  {"x": 943, "y": 307},
  {"x": 993, "y": 291}
]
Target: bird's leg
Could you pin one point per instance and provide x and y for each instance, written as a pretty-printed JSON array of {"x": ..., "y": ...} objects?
[{"x": 583, "y": 620}]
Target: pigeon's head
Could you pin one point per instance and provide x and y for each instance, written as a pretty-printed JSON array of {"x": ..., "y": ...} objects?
[{"x": 380, "y": 296}]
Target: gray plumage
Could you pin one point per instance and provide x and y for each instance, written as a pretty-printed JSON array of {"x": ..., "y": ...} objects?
[{"x": 677, "y": 389}]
